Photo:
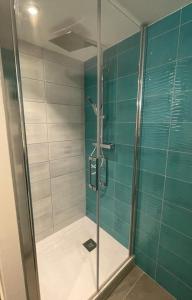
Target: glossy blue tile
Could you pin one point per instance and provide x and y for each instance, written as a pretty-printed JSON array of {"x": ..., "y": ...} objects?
[
  {"x": 155, "y": 135},
  {"x": 110, "y": 69},
  {"x": 123, "y": 174},
  {"x": 108, "y": 203},
  {"x": 180, "y": 137},
  {"x": 89, "y": 114},
  {"x": 90, "y": 92},
  {"x": 91, "y": 216},
  {"x": 159, "y": 81},
  {"x": 109, "y": 53},
  {"x": 183, "y": 75},
  {"x": 186, "y": 14},
  {"x": 123, "y": 192},
  {"x": 106, "y": 217},
  {"x": 126, "y": 111},
  {"x": 150, "y": 205},
  {"x": 151, "y": 183},
  {"x": 171, "y": 283},
  {"x": 153, "y": 160},
  {"x": 157, "y": 109},
  {"x": 109, "y": 91},
  {"x": 109, "y": 132},
  {"x": 127, "y": 87},
  {"x": 145, "y": 262},
  {"x": 121, "y": 227},
  {"x": 179, "y": 166},
  {"x": 182, "y": 107},
  {"x": 162, "y": 49},
  {"x": 124, "y": 154},
  {"x": 176, "y": 265},
  {"x": 109, "y": 110},
  {"x": 91, "y": 206},
  {"x": 164, "y": 25},
  {"x": 185, "y": 41},
  {"x": 146, "y": 243},
  {"x": 128, "y": 62},
  {"x": 125, "y": 133},
  {"x": 92, "y": 62},
  {"x": 178, "y": 218},
  {"x": 91, "y": 77},
  {"x": 90, "y": 130},
  {"x": 176, "y": 243},
  {"x": 178, "y": 193},
  {"x": 148, "y": 224},
  {"x": 128, "y": 43},
  {"x": 124, "y": 240},
  {"x": 122, "y": 210},
  {"x": 108, "y": 191}
]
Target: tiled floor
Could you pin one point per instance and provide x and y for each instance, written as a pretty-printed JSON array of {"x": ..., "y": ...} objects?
[
  {"x": 67, "y": 271},
  {"x": 139, "y": 286}
]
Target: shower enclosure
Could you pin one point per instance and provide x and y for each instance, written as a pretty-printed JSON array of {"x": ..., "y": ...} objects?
[{"x": 79, "y": 80}]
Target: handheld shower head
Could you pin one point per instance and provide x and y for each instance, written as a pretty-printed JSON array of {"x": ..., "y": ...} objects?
[{"x": 93, "y": 105}]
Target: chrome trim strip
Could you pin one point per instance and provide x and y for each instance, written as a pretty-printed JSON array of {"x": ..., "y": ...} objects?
[
  {"x": 136, "y": 161},
  {"x": 12, "y": 97},
  {"x": 99, "y": 96},
  {"x": 114, "y": 280}
]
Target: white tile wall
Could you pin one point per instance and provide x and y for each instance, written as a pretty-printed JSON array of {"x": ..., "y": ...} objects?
[
  {"x": 33, "y": 90},
  {"x": 40, "y": 189},
  {"x": 61, "y": 74},
  {"x": 31, "y": 67},
  {"x": 35, "y": 112},
  {"x": 39, "y": 171},
  {"x": 67, "y": 165},
  {"x": 54, "y": 116},
  {"x": 63, "y": 94},
  {"x": 68, "y": 131},
  {"x": 58, "y": 150},
  {"x": 36, "y": 133},
  {"x": 57, "y": 113},
  {"x": 38, "y": 153}
]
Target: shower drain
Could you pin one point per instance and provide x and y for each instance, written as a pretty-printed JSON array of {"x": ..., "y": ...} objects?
[{"x": 90, "y": 245}]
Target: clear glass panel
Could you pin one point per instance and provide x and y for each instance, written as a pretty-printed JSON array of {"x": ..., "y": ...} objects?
[
  {"x": 57, "y": 48},
  {"x": 120, "y": 44}
]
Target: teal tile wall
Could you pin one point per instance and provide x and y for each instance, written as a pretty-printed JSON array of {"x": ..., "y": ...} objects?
[
  {"x": 164, "y": 216},
  {"x": 120, "y": 91}
]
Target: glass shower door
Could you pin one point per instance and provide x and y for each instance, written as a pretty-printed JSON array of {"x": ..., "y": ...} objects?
[
  {"x": 58, "y": 59},
  {"x": 120, "y": 60}
]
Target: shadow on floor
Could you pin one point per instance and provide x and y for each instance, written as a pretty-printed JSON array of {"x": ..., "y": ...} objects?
[{"x": 139, "y": 286}]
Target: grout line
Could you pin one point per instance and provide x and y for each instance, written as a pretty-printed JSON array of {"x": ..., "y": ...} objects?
[
  {"x": 167, "y": 150},
  {"x": 162, "y": 33},
  {"x": 178, "y": 206},
  {"x": 50, "y": 184},
  {"x": 179, "y": 232},
  {"x": 178, "y": 256},
  {"x": 133, "y": 286},
  {"x": 177, "y": 278}
]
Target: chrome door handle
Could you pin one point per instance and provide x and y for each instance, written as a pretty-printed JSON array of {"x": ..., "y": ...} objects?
[{"x": 92, "y": 186}]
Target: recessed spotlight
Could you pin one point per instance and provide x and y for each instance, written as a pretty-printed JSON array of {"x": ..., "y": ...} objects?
[
  {"x": 68, "y": 31},
  {"x": 32, "y": 10}
]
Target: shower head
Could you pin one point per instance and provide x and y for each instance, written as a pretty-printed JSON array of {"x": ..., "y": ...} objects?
[
  {"x": 93, "y": 105},
  {"x": 72, "y": 39}
]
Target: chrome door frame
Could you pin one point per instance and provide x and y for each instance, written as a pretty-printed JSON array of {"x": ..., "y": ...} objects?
[
  {"x": 136, "y": 156},
  {"x": 13, "y": 105}
]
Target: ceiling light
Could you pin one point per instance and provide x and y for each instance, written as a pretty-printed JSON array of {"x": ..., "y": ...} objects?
[{"x": 32, "y": 10}]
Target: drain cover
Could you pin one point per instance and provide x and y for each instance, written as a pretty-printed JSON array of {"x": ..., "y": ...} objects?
[{"x": 90, "y": 245}]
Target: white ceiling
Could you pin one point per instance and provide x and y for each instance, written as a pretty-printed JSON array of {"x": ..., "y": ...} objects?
[{"x": 119, "y": 18}]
